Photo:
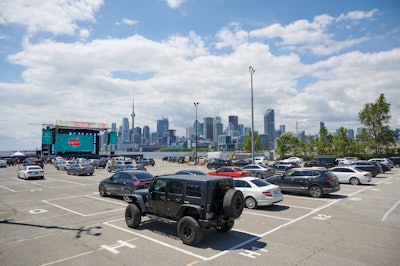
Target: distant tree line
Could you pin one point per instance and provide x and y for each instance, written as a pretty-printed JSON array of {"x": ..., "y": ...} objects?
[{"x": 375, "y": 139}]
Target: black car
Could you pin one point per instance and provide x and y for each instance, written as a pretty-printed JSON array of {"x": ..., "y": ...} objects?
[
  {"x": 326, "y": 161},
  {"x": 190, "y": 172},
  {"x": 33, "y": 161},
  {"x": 373, "y": 167},
  {"x": 217, "y": 163},
  {"x": 242, "y": 162},
  {"x": 314, "y": 181},
  {"x": 123, "y": 183},
  {"x": 395, "y": 160}
]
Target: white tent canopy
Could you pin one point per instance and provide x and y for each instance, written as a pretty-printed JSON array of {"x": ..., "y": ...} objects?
[{"x": 18, "y": 153}]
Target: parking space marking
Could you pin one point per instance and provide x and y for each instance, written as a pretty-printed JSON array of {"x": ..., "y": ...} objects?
[
  {"x": 82, "y": 214},
  {"x": 264, "y": 215},
  {"x": 299, "y": 207},
  {"x": 9, "y": 189},
  {"x": 109, "y": 223},
  {"x": 389, "y": 211}
]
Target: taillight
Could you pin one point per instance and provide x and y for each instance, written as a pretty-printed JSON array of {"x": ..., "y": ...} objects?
[
  {"x": 329, "y": 180},
  {"x": 366, "y": 174},
  {"x": 267, "y": 193},
  {"x": 139, "y": 184}
]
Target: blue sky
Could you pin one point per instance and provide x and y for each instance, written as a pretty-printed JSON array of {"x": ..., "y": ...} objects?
[{"x": 86, "y": 60}]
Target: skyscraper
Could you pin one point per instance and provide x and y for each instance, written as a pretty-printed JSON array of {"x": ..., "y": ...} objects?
[
  {"x": 126, "y": 133},
  {"x": 269, "y": 127},
  {"x": 162, "y": 125},
  {"x": 208, "y": 131},
  {"x": 234, "y": 120}
]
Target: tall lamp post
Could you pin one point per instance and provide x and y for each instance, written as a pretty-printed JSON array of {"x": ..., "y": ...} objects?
[
  {"x": 252, "y": 70},
  {"x": 195, "y": 130}
]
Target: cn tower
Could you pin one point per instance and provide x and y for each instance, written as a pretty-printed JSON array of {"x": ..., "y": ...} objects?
[{"x": 133, "y": 115}]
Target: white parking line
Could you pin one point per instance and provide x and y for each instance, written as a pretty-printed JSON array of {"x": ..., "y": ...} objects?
[
  {"x": 78, "y": 213},
  {"x": 154, "y": 240},
  {"x": 389, "y": 211},
  {"x": 264, "y": 215}
]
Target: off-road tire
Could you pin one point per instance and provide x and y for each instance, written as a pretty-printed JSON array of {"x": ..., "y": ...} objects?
[
  {"x": 190, "y": 231},
  {"x": 133, "y": 216},
  {"x": 233, "y": 203},
  {"x": 225, "y": 227}
]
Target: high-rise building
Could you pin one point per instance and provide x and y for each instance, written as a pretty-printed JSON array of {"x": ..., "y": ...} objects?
[
  {"x": 269, "y": 127},
  {"x": 218, "y": 128},
  {"x": 208, "y": 128},
  {"x": 162, "y": 125},
  {"x": 126, "y": 132},
  {"x": 234, "y": 120}
]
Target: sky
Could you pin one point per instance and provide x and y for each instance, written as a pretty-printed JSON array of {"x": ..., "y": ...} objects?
[{"x": 88, "y": 60}]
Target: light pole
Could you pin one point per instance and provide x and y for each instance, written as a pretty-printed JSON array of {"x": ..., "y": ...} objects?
[
  {"x": 195, "y": 130},
  {"x": 252, "y": 70}
]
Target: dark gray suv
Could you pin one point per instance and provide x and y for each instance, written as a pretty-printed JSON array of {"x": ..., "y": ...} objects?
[
  {"x": 195, "y": 202},
  {"x": 315, "y": 181}
]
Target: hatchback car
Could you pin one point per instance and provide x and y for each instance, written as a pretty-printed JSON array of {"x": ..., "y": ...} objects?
[
  {"x": 348, "y": 174},
  {"x": 231, "y": 171},
  {"x": 31, "y": 171},
  {"x": 124, "y": 183},
  {"x": 315, "y": 181},
  {"x": 258, "y": 192},
  {"x": 80, "y": 169},
  {"x": 260, "y": 170}
]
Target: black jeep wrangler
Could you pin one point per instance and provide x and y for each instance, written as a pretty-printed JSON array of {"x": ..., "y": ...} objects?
[{"x": 195, "y": 202}]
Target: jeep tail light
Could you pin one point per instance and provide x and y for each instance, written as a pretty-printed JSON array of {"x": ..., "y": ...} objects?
[{"x": 267, "y": 193}]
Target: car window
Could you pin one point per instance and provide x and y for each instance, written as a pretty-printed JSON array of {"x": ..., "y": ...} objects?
[
  {"x": 241, "y": 183},
  {"x": 175, "y": 187},
  {"x": 260, "y": 182},
  {"x": 143, "y": 176},
  {"x": 160, "y": 185},
  {"x": 193, "y": 189}
]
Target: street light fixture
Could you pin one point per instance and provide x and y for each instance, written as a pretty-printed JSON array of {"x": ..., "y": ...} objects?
[
  {"x": 252, "y": 70},
  {"x": 195, "y": 130}
]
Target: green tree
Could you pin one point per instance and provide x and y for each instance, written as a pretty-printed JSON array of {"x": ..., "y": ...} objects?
[
  {"x": 341, "y": 142},
  {"x": 324, "y": 142},
  {"x": 375, "y": 117},
  {"x": 247, "y": 142},
  {"x": 286, "y": 144}
]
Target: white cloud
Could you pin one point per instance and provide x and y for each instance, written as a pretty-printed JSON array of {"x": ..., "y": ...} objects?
[
  {"x": 174, "y": 4},
  {"x": 57, "y": 16}
]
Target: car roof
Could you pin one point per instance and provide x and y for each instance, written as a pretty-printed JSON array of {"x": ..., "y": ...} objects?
[{"x": 203, "y": 178}]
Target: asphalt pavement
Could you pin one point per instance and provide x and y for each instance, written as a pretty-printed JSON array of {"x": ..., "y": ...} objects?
[{"x": 62, "y": 220}]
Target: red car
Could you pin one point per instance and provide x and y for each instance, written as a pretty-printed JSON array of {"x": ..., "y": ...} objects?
[{"x": 231, "y": 171}]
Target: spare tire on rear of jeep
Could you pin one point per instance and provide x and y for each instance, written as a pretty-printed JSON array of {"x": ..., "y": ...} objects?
[{"x": 233, "y": 203}]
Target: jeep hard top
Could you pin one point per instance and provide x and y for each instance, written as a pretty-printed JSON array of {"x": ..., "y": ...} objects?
[{"x": 195, "y": 202}]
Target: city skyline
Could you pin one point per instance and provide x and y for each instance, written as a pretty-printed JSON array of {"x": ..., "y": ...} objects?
[{"x": 86, "y": 60}]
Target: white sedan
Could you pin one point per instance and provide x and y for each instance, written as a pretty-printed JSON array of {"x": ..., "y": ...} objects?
[
  {"x": 31, "y": 171},
  {"x": 348, "y": 174},
  {"x": 258, "y": 192}
]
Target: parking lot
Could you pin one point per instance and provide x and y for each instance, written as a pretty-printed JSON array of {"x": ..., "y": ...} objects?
[{"x": 62, "y": 220}]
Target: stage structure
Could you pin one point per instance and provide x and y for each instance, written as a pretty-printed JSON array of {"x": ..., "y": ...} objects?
[{"x": 68, "y": 137}]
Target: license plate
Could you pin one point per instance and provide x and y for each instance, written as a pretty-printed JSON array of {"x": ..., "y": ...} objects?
[{"x": 36, "y": 173}]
